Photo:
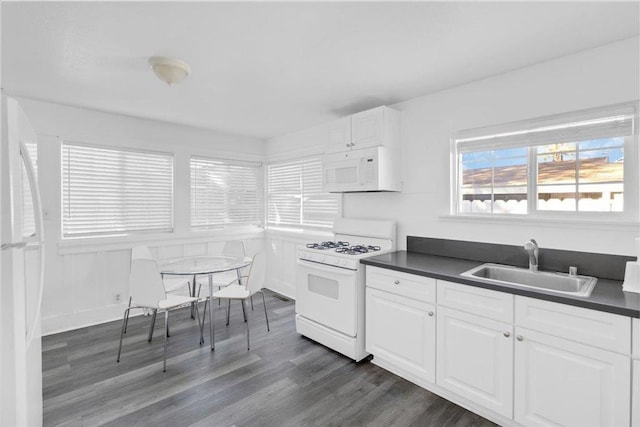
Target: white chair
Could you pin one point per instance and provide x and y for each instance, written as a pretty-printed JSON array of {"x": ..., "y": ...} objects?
[
  {"x": 234, "y": 249},
  {"x": 252, "y": 285},
  {"x": 147, "y": 292}
]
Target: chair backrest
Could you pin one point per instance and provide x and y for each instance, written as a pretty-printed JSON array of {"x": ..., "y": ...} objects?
[
  {"x": 140, "y": 252},
  {"x": 145, "y": 282},
  {"x": 257, "y": 273},
  {"x": 234, "y": 248}
]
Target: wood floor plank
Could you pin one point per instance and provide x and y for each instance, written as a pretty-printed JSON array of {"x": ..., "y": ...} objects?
[{"x": 284, "y": 380}]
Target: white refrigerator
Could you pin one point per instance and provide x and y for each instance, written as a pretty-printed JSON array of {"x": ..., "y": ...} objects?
[{"x": 21, "y": 271}]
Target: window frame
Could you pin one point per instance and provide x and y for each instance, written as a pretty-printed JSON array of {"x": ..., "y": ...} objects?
[
  {"x": 259, "y": 201},
  {"x": 300, "y": 226},
  {"x": 113, "y": 233},
  {"x": 631, "y": 186}
]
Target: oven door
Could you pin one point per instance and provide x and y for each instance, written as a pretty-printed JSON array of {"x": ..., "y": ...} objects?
[{"x": 327, "y": 295}]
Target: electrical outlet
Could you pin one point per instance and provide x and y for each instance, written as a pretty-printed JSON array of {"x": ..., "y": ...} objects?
[{"x": 118, "y": 298}]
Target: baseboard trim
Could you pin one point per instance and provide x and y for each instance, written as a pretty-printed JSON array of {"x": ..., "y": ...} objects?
[{"x": 81, "y": 319}]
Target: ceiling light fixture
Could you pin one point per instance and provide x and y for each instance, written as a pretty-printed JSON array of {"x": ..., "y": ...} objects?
[{"x": 169, "y": 70}]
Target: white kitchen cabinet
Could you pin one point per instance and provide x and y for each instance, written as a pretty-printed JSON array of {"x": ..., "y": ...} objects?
[
  {"x": 563, "y": 383},
  {"x": 401, "y": 332},
  {"x": 407, "y": 285},
  {"x": 339, "y": 134},
  {"x": 596, "y": 328},
  {"x": 475, "y": 359},
  {"x": 379, "y": 126},
  {"x": 635, "y": 393},
  {"x": 482, "y": 302}
]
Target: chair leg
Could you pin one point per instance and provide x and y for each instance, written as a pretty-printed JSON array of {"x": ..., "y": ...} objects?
[
  {"x": 166, "y": 335},
  {"x": 264, "y": 303},
  {"x": 244, "y": 312},
  {"x": 193, "y": 293},
  {"x": 251, "y": 298},
  {"x": 204, "y": 317},
  {"x": 199, "y": 322},
  {"x": 153, "y": 323},
  {"x": 243, "y": 309},
  {"x": 228, "y": 310},
  {"x": 124, "y": 323}
]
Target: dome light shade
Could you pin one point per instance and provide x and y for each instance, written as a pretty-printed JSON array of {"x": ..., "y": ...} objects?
[{"x": 169, "y": 70}]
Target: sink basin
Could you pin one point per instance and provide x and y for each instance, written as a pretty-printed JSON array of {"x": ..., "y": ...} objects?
[{"x": 547, "y": 281}]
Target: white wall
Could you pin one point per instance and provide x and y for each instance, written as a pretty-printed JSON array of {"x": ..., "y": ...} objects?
[
  {"x": 597, "y": 77},
  {"x": 83, "y": 277},
  {"x": 593, "y": 78}
]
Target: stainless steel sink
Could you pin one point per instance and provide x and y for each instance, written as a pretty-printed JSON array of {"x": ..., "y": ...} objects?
[{"x": 547, "y": 281}]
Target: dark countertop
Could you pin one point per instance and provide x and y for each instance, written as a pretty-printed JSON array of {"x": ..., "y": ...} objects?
[{"x": 607, "y": 295}]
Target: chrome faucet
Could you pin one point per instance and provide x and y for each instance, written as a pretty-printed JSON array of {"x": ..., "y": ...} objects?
[{"x": 532, "y": 249}]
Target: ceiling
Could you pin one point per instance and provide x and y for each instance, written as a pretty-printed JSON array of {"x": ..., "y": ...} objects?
[{"x": 265, "y": 69}]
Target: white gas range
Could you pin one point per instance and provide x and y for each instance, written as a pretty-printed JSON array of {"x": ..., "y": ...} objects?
[{"x": 330, "y": 283}]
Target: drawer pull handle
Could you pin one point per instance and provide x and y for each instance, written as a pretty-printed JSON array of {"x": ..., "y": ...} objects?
[
  {"x": 430, "y": 313},
  {"x": 520, "y": 338},
  {"x": 506, "y": 334},
  {"x": 397, "y": 282}
]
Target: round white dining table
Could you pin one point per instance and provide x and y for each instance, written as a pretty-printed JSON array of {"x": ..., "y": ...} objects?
[{"x": 204, "y": 265}]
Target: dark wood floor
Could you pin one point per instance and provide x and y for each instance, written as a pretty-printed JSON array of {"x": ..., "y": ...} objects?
[{"x": 284, "y": 380}]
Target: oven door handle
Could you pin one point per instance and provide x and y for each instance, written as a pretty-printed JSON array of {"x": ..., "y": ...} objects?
[{"x": 322, "y": 267}]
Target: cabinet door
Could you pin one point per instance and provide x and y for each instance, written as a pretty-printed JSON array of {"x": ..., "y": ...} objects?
[
  {"x": 367, "y": 128},
  {"x": 339, "y": 135},
  {"x": 635, "y": 393},
  {"x": 402, "y": 331},
  {"x": 475, "y": 359},
  {"x": 560, "y": 382}
]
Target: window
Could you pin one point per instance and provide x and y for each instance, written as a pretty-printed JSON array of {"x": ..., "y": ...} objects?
[
  {"x": 576, "y": 163},
  {"x": 225, "y": 193},
  {"x": 107, "y": 191},
  {"x": 295, "y": 197}
]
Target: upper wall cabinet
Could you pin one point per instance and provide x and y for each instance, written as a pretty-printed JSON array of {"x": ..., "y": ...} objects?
[{"x": 371, "y": 128}]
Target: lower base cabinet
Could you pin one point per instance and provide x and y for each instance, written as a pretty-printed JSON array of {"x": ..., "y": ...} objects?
[
  {"x": 562, "y": 383},
  {"x": 515, "y": 360},
  {"x": 402, "y": 331},
  {"x": 475, "y": 359}
]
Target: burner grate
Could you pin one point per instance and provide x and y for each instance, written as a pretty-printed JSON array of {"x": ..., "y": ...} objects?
[
  {"x": 327, "y": 245},
  {"x": 357, "y": 249}
]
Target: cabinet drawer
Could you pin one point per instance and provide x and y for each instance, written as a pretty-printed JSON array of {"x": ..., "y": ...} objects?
[
  {"x": 635, "y": 328},
  {"x": 591, "y": 327},
  {"x": 407, "y": 285},
  {"x": 482, "y": 302}
]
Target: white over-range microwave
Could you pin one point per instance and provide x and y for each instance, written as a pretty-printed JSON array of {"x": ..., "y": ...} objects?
[{"x": 366, "y": 169}]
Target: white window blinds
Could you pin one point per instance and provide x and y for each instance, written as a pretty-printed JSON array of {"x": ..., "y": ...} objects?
[
  {"x": 295, "y": 196},
  {"x": 114, "y": 191},
  {"x": 225, "y": 193},
  {"x": 565, "y": 128}
]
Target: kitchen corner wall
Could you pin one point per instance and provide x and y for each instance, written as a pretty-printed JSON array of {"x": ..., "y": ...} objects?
[
  {"x": 592, "y": 78},
  {"x": 86, "y": 281}
]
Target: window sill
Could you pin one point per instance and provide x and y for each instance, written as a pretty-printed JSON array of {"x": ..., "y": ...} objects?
[
  {"x": 111, "y": 243},
  {"x": 577, "y": 223},
  {"x": 303, "y": 235}
]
